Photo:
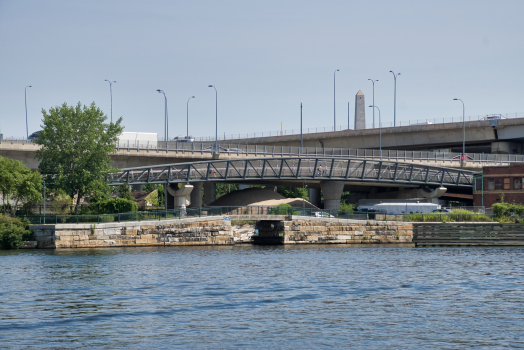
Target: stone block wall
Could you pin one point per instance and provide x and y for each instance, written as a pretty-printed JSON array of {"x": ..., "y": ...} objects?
[
  {"x": 193, "y": 231},
  {"x": 339, "y": 231}
]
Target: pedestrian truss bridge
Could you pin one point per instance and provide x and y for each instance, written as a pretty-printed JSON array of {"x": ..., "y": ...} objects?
[{"x": 293, "y": 169}]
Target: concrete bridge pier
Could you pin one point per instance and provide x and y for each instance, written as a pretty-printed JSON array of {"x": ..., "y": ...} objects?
[
  {"x": 196, "y": 195},
  {"x": 314, "y": 196},
  {"x": 179, "y": 194},
  {"x": 332, "y": 191},
  {"x": 209, "y": 192}
]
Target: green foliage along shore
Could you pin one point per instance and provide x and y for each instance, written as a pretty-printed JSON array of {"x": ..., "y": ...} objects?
[{"x": 13, "y": 232}]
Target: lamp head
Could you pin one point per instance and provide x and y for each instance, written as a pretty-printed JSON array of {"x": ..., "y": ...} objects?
[
  {"x": 370, "y": 106},
  {"x": 455, "y": 99},
  {"x": 29, "y": 86},
  {"x": 159, "y": 90},
  {"x": 338, "y": 70},
  {"x": 398, "y": 74},
  {"x": 391, "y": 71},
  {"x": 192, "y": 96},
  {"x": 210, "y": 86}
]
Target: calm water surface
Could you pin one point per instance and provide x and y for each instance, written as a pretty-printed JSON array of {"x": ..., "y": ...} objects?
[{"x": 298, "y": 297}]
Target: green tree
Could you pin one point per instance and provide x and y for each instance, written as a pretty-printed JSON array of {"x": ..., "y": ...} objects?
[
  {"x": 13, "y": 232},
  {"x": 61, "y": 203},
  {"x": 76, "y": 144},
  {"x": 160, "y": 192},
  {"x": 18, "y": 184},
  {"x": 293, "y": 192},
  {"x": 125, "y": 192}
]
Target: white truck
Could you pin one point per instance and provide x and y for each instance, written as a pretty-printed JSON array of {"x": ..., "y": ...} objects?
[
  {"x": 138, "y": 139},
  {"x": 402, "y": 208}
]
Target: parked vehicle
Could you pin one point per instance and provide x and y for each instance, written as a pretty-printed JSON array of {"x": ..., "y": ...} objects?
[
  {"x": 442, "y": 210},
  {"x": 321, "y": 214},
  {"x": 401, "y": 208}
]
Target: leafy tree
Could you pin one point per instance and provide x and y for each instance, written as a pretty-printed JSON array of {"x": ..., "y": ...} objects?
[
  {"x": 61, "y": 203},
  {"x": 293, "y": 192},
  {"x": 160, "y": 192},
  {"x": 125, "y": 192},
  {"x": 115, "y": 206},
  {"x": 76, "y": 144},
  {"x": 18, "y": 184},
  {"x": 13, "y": 232}
]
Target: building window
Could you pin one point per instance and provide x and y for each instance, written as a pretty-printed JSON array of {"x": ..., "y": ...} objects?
[
  {"x": 491, "y": 184},
  {"x": 517, "y": 183},
  {"x": 499, "y": 183},
  {"x": 478, "y": 184},
  {"x": 507, "y": 183}
]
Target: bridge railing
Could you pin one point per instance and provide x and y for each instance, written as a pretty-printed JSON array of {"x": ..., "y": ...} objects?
[{"x": 242, "y": 150}]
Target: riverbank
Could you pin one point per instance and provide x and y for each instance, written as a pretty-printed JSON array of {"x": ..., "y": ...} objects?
[{"x": 217, "y": 230}]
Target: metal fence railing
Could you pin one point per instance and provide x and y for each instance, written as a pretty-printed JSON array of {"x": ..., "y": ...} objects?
[{"x": 252, "y": 210}]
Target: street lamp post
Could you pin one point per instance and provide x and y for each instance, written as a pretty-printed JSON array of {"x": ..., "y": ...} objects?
[
  {"x": 26, "y": 126},
  {"x": 348, "y": 115},
  {"x": 216, "y": 118},
  {"x": 379, "y": 131},
  {"x": 187, "y": 117},
  {"x": 395, "y": 99},
  {"x": 463, "y": 130},
  {"x": 166, "y": 130},
  {"x": 373, "y": 81},
  {"x": 111, "y": 93},
  {"x": 301, "y": 143},
  {"x": 334, "y": 101}
]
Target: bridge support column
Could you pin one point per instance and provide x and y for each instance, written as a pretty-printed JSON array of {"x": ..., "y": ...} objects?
[
  {"x": 332, "y": 191},
  {"x": 314, "y": 196},
  {"x": 196, "y": 194},
  {"x": 209, "y": 192},
  {"x": 179, "y": 194}
]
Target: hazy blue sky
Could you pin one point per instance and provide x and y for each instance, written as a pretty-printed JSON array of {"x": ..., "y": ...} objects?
[{"x": 264, "y": 57}]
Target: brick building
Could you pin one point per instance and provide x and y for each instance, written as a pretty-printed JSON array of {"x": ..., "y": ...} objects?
[{"x": 495, "y": 181}]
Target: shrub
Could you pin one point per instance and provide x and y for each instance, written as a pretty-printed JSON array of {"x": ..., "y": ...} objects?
[
  {"x": 282, "y": 209},
  {"x": 114, "y": 206},
  {"x": 13, "y": 232}
]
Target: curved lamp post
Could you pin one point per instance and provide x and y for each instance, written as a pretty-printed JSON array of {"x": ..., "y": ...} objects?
[
  {"x": 26, "y": 126},
  {"x": 373, "y": 81},
  {"x": 395, "y": 99},
  {"x": 187, "y": 117},
  {"x": 111, "y": 93},
  {"x": 379, "y": 131},
  {"x": 463, "y": 130},
  {"x": 216, "y": 117},
  {"x": 334, "y": 104},
  {"x": 166, "y": 130}
]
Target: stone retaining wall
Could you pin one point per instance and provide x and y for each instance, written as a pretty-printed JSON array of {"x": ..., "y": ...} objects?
[
  {"x": 191, "y": 231},
  {"x": 308, "y": 230}
]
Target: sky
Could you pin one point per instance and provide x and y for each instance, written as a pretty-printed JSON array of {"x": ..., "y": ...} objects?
[{"x": 265, "y": 58}]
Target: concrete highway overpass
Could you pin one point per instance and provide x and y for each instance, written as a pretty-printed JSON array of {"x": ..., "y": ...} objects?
[
  {"x": 139, "y": 155},
  {"x": 502, "y": 136}
]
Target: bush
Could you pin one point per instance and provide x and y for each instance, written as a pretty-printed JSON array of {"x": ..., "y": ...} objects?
[
  {"x": 114, "y": 206},
  {"x": 457, "y": 215},
  {"x": 13, "y": 232},
  {"x": 282, "y": 209},
  {"x": 509, "y": 212}
]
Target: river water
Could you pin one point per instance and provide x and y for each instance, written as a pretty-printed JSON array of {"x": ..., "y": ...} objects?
[{"x": 249, "y": 297}]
